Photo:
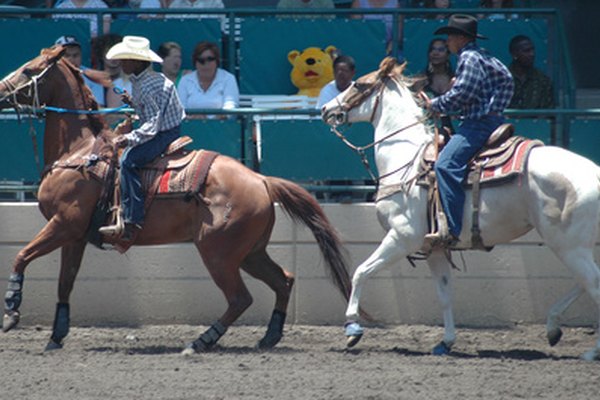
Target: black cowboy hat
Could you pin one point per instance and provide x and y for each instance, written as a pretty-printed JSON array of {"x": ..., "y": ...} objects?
[{"x": 461, "y": 24}]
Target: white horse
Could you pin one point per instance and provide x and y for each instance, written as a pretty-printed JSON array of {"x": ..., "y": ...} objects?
[{"x": 559, "y": 195}]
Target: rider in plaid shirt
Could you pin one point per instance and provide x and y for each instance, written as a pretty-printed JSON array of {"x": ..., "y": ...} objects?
[
  {"x": 482, "y": 90},
  {"x": 157, "y": 104}
]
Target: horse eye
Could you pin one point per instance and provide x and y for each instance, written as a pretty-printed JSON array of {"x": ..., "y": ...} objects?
[
  {"x": 360, "y": 86},
  {"x": 28, "y": 72}
]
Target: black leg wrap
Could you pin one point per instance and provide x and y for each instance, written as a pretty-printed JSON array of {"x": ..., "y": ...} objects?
[
  {"x": 209, "y": 338},
  {"x": 14, "y": 293},
  {"x": 277, "y": 322},
  {"x": 274, "y": 330},
  {"x": 62, "y": 319}
]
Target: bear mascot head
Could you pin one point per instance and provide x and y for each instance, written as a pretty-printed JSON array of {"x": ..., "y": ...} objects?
[{"x": 312, "y": 69}]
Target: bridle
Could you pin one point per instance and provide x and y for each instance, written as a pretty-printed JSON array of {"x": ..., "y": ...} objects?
[
  {"x": 35, "y": 107},
  {"x": 31, "y": 84},
  {"x": 345, "y": 106}
]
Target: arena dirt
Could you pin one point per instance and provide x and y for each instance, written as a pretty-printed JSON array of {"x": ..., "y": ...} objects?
[{"x": 310, "y": 363}]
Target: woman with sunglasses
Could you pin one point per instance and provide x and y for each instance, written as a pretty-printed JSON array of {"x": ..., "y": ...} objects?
[{"x": 209, "y": 86}]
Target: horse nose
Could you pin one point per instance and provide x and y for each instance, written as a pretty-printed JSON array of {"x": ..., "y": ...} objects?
[{"x": 310, "y": 61}]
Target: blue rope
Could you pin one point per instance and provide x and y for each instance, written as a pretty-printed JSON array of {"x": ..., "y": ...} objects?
[{"x": 102, "y": 111}]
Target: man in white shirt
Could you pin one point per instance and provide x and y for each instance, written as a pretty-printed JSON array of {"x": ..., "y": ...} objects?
[{"x": 343, "y": 72}]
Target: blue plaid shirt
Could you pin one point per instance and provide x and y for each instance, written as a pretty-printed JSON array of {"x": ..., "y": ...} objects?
[
  {"x": 157, "y": 104},
  {"x": 483, "y": 85}
]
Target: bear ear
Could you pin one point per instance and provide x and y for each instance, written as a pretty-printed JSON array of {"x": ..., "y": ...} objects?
[
  {"x": 332, "y": 51},
  {"x": 386, "y": 66},
  {"x": 292, "y": 56}
]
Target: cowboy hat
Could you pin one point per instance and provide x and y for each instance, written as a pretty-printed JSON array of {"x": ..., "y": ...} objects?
[
  {"x": 133, "y": 48},
  {"x": 461, "y": 24}
]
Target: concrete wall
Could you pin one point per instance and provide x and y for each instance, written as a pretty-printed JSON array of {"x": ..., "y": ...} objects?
[{"x": 516, "y": 282}]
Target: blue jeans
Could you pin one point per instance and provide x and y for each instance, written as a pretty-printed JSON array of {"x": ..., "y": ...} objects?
[
  {"x": 134, "y": 158},
  {"x": 451, "y": 166}
]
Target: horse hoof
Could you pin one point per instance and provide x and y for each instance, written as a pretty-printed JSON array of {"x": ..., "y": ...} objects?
[
  {"x": 351, "y": 341},
  {"x": 354, "y": 333},
  {"x": 10, "y": 321},
  {"x": 193, "y": 348},
  {"x": 554, "y": 336},
  {"x": 188, "y": 351},
  {"x": 268, "y": 342},
  {"x": 441, "y": 349},
  {"x": 52, "y": 345}
]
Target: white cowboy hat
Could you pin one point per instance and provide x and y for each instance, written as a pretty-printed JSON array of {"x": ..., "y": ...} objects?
[{"x": 133, "y": 48}]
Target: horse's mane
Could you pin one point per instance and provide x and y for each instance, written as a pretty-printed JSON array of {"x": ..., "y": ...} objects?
[
  {"x": 389, "y": 67},
  {"x": 96, "y": 120}
]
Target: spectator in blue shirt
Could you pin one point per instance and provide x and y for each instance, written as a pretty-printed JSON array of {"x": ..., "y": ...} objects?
[{"x": 482, "y": 90}]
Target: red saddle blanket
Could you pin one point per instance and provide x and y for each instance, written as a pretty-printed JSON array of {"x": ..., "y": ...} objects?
[
  {"x": 503, "y": 162},
  {"x": 184, "y": 172}
]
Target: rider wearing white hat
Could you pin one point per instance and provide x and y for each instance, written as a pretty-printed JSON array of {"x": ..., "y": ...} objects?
[{"x": 155, "y": 100}]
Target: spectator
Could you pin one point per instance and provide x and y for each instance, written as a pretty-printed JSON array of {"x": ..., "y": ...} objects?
[
  {"x": 170, "y": 52},
  {"x": 79, "y": 4},
  {"x": 343, "y": 72},
  {"x": 73, "y": 54},
  {"x": 498, "y": 4},
  {"x": 533, "y": 89},
  {"x": 438, "y": 4},
  {"x": 144, "y": 5},
  {"x": 121, "y": 4},
  {"x": 209, "y": 86},
  {"x": 197, "y": 4},
  {"x": 386, "y": 18},
  {"x": 306, "y": 5},
  {"x": 112, "y": 67},
  {"x": 439, "y": 77}
]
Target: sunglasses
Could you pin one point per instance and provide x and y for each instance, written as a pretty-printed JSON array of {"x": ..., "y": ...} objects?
[{"x": 204, "y": 60}]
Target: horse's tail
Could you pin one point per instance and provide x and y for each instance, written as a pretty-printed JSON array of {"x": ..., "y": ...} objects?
[{"x": 302, "y": 207}]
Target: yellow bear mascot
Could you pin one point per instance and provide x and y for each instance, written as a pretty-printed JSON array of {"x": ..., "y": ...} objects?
[{"x": 312, "y": 69}]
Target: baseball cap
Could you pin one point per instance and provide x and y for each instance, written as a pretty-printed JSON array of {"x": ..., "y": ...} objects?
[{"x": 67, "y": 40}]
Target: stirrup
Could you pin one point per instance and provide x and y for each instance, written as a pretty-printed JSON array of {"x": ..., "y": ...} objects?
[{"x": 114, "y": 230}]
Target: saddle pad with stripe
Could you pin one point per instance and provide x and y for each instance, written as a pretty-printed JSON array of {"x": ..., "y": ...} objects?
[
  {"x": 185, "y": 173},
  {"x": 498, "y": 167}
]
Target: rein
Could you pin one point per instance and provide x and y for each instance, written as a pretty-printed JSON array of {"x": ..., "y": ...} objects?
[
  {"x": 83, "y": 112},
  {"x": 360, "y": 150},
  {"x": 36, "y": 108}
]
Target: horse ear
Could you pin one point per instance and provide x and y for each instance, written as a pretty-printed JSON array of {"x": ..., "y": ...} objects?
[
  {"x": 53, "y": 53},
  {"x": 386, "y": 67}
]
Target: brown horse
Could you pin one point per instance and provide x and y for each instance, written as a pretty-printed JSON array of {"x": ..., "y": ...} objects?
[{"x": 231, "y": 227}]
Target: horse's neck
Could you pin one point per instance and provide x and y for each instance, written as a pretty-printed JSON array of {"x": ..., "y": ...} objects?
[
  {"x": 68, "y": 134},
  {"x": 397, "y": 157}
]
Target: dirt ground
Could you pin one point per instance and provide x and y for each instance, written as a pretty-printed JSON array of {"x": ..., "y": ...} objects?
[{"x": 310, "y": 363}]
